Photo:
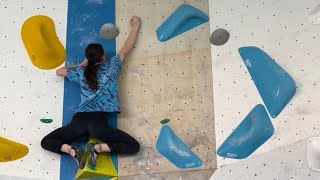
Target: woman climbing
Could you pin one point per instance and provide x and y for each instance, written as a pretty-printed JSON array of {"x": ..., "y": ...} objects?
[{"x": 97, "y": 77}]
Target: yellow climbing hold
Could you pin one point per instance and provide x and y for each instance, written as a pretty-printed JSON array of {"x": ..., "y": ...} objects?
[
  {"x": 10, "y": 150},
  {"x": 105, "y": 166},
  {"x": 42, "y": 44}
]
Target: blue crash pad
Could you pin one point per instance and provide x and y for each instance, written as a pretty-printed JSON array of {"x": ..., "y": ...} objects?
[
  {"x": 183, "y": 19},
  {"x": 275, "y": 85},
  {"x": 252, "y": 132},
  {"x": 175, "y": 150}
]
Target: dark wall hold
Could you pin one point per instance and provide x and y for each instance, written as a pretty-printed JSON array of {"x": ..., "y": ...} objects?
[
  {"x": 109, "y": 31},
  {"x": 219, "y": 37}
]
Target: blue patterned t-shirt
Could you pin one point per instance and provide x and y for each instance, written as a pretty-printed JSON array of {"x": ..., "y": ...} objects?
[{"x": 106, "y": 98}]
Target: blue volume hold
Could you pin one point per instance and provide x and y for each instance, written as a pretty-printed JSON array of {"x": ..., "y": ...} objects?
[
  {"x": 183, "y": 19},
  {"x": 175, "y": 150},
  {"x": 252, "y": 132},
  {"x": 275, "y": 85}
]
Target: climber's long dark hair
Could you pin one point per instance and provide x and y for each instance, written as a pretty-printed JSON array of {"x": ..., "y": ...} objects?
[{"x": 94, "y": 54}]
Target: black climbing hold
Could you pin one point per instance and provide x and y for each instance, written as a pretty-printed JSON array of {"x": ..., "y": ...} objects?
[{"x": 219, "y": 37}]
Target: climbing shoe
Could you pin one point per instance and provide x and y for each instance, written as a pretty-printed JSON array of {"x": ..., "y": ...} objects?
[
  {"x": 93, "y": 154},
  {"x": 79, "y": 156}
]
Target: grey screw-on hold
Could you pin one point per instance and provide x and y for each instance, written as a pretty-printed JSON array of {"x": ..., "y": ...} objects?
[
  {"x": 219, "y": 37},
  {"x": 109, "y": 31}
]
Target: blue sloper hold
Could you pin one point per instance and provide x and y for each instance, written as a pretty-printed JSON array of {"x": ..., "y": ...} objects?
[
  {"x": 183, "y": 19},
  {"x": 252, "y": 132},
  {"x": 275, "y": 85},
  {"x": 175, "y": 150}
]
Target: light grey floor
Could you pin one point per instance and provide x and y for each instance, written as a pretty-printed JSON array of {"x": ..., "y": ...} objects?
[{"x": 181, "y": 175}]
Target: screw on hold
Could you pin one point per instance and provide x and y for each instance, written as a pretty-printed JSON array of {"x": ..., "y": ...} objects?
[
  {"x": 46, "y": 120},
  {"x": 165, "y": 121},
  {"x": 33, "y": 57}
]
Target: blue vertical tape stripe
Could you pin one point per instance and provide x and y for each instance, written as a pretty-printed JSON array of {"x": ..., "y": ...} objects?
[{"x": 85, "y": 17}]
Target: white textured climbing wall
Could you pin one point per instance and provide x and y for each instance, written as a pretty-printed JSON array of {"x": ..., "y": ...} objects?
[
  {"x": 27, "y": 93},
  {"x": 288, "y": 162},
  {"x": 281, "y": 29}
]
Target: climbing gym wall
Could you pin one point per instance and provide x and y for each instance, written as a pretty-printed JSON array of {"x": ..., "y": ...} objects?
[
  {"x": 27, "y": 93},
  {"x": 160, "y": 80},
  {"x": 287, "y": 34},
  {"x": 286, "y": 162}
]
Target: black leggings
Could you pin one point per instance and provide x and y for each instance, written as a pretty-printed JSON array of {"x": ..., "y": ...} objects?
[{"x": 93, "y": 125}]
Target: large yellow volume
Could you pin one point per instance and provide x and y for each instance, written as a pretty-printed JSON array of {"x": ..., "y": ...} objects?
[
  {"x": 105, "y": 166},
  {"x": 42, "y": 44},
  {"x": 10, "y": 150}
]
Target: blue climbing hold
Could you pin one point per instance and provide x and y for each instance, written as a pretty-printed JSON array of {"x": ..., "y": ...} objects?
[
  {"x": 275, "y": 85},
  {"x": 175, "y": 150},
  {"x": 252, "y": 132},
  {"x": 183, "y": 19}
]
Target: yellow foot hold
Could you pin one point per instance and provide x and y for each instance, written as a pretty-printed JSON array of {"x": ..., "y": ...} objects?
[
  {"x": 105, "y": 167},
  {"x": 10, "y": 150},
  {"x": 42, "y": 44}
]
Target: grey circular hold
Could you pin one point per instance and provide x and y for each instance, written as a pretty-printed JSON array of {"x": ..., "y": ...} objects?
[
  {"x": 219, "y": 37},
  {"x": 109, "y": 31}
]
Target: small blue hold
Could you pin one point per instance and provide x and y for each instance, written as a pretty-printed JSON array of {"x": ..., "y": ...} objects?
[
  {"x": 175, "y": 150},
  {"x": 183, "y": 19}
]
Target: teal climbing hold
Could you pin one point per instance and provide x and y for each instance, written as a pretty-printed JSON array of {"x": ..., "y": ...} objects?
[
  {"x": 165, "y": 121},
  {"x": 183, "y": 19},
  {"x": 252, "y": 132},
  {"x": 175, "y": 150},
  {"x": 46, "y": 120},
  {"x": 275, "y": 85}
]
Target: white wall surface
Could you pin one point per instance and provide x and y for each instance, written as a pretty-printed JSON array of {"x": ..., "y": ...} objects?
[
  {"x": 282, "y": 30},
  {"x": 283, "y": 163},
  {"x": 28, "y": 94}
]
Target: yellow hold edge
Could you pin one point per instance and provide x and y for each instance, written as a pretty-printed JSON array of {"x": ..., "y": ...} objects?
[{"x": 11, "y": 151}]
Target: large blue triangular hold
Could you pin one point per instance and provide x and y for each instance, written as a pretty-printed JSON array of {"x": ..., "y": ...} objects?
[
  {"x": 275, "y": 85},
  {"x": 183, "y": 19},
  {"x": 252, "y": 132},
  {"x": 175, "y": 150}
]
